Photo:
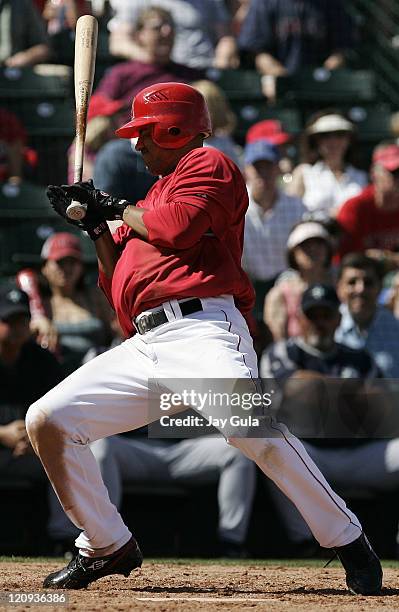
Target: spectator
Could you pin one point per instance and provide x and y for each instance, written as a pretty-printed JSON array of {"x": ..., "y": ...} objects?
[
  {"x": 327, "y": 178},
  {"x": 101, "y": 125},
  {"x": 223, "y": 120},
  {"x": 272, "y": 131},
  {"x": 337, "y": 419},
  {"x": 270, "y": 216},
  {"x": 79, "y": 313},
  {"x": 26, "y": 373},
  {"x": 309, "y": 252},
  {"x": 392, "y": 298},
  {"x": 283, "y": 37},
  {"x": 366, "y": 324},
  {"x": 154, "y": 34},
  {"x": 370, "y": 220},
  {"x": 203, "y": 32},
  {"x": 23, "y": 34}
]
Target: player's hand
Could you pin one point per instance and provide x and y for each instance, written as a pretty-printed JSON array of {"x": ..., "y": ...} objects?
[
  {"x": 93, "y": 222},
  {"x": 109, "y": 207}
]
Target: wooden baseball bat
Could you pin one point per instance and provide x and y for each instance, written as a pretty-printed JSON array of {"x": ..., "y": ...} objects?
[{"x": 85, "y": 60}]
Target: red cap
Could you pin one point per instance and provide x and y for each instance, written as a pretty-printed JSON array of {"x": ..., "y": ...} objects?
[
  {"x": 61, "y": 245},
  {"x": 101, "y": 105},
  {"x": 270, "y": 130},
  {"x": 387, "y": 157}
]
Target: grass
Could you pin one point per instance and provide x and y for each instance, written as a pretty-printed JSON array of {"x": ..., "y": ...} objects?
[{"x": 243, "y": 562}]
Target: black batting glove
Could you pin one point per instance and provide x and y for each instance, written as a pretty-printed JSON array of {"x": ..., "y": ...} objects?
[
  {"x": 109, "y": 207},
  {"x": 93, "y": 223}
]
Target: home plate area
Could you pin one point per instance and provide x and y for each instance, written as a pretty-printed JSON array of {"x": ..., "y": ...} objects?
[{"x": 200, "y": 585}]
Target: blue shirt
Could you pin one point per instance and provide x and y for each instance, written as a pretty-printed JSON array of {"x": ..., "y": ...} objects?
[
  {"x": 320, "y": 419},
  {"x": 296, "y": 32},
  {"x": 381, "y": 338}
]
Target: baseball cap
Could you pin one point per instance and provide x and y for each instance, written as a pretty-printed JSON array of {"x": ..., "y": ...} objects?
[
  {"x": 330, "y": 123},
  {"x": 268, "y": 129},
  {"x": 61, "y": 244},
  {"x": 319, "y": 295},
  {"x": 13, "y": 301},
  {"x": 387, "y": 157},
  {"x": 306, "y": 231},
  {"x": 102, "y": 105},
  {"x": 261, "y": 150}
]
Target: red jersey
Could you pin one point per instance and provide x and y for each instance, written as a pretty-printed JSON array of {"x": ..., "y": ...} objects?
[
  {"x": 366, "y": 226},
  {"x": 195, "y": 222}
]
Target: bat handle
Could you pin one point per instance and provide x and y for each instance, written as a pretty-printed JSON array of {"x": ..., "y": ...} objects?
[{"x": 76, "y": 211}]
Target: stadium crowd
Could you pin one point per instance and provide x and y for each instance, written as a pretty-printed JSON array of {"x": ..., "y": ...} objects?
[{"x": 321, "y": 242}]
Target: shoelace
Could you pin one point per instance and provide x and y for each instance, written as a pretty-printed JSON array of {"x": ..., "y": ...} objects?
[{"x": 335, "y": 555}]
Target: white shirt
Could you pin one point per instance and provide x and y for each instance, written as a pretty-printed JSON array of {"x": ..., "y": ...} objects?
[
  {"x": 266, "y": 235},
  {"x": 323, "y": 191}
]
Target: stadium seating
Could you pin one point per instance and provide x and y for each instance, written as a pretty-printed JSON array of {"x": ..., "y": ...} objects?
[
  {"x": 317, "y": 87},
  {"x": 372, "y": 122},
  {"x": 36, "y": 82},
  {"x": 42, "y": 98},
  {"x": 242, "y": 85}
]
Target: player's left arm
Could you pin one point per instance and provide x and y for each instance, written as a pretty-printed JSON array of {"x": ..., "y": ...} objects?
[{"x": 176, "y": 225}]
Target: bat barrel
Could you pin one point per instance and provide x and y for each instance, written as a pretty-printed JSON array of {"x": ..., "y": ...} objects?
[{"x": 84, "y": 66}]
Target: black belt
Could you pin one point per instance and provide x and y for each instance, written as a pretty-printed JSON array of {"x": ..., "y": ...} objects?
[{"x": 145, "y": 323}]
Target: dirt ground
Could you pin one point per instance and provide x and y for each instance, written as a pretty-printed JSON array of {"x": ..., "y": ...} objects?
[{"x": 185, "y": 587}]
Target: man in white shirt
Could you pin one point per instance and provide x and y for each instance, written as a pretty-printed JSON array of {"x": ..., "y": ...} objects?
[{"x": 270, "y": 216}]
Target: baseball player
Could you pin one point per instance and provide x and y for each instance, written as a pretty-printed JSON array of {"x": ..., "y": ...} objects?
[{"x": 173, "y": 275}]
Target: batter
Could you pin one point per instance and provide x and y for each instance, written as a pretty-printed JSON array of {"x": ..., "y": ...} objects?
[{"x": 173, "y": 275}]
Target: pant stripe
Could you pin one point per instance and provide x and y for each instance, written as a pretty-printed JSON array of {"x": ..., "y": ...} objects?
[{"x": 314, "y": 475}]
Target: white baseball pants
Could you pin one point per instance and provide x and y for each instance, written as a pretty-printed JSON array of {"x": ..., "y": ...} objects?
[
  {"x": 191, "y": 462},
  {"x": 109, "y": 395},
  {"x": 371, "y": 469}
]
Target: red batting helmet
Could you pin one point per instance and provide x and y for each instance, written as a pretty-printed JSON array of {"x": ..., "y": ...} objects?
[{"x": 177, "y": 111}]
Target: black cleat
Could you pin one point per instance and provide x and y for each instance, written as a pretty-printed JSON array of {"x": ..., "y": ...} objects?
[
  {"x": 82, "y": 570},
  {"x": 362, "y": 566}
]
